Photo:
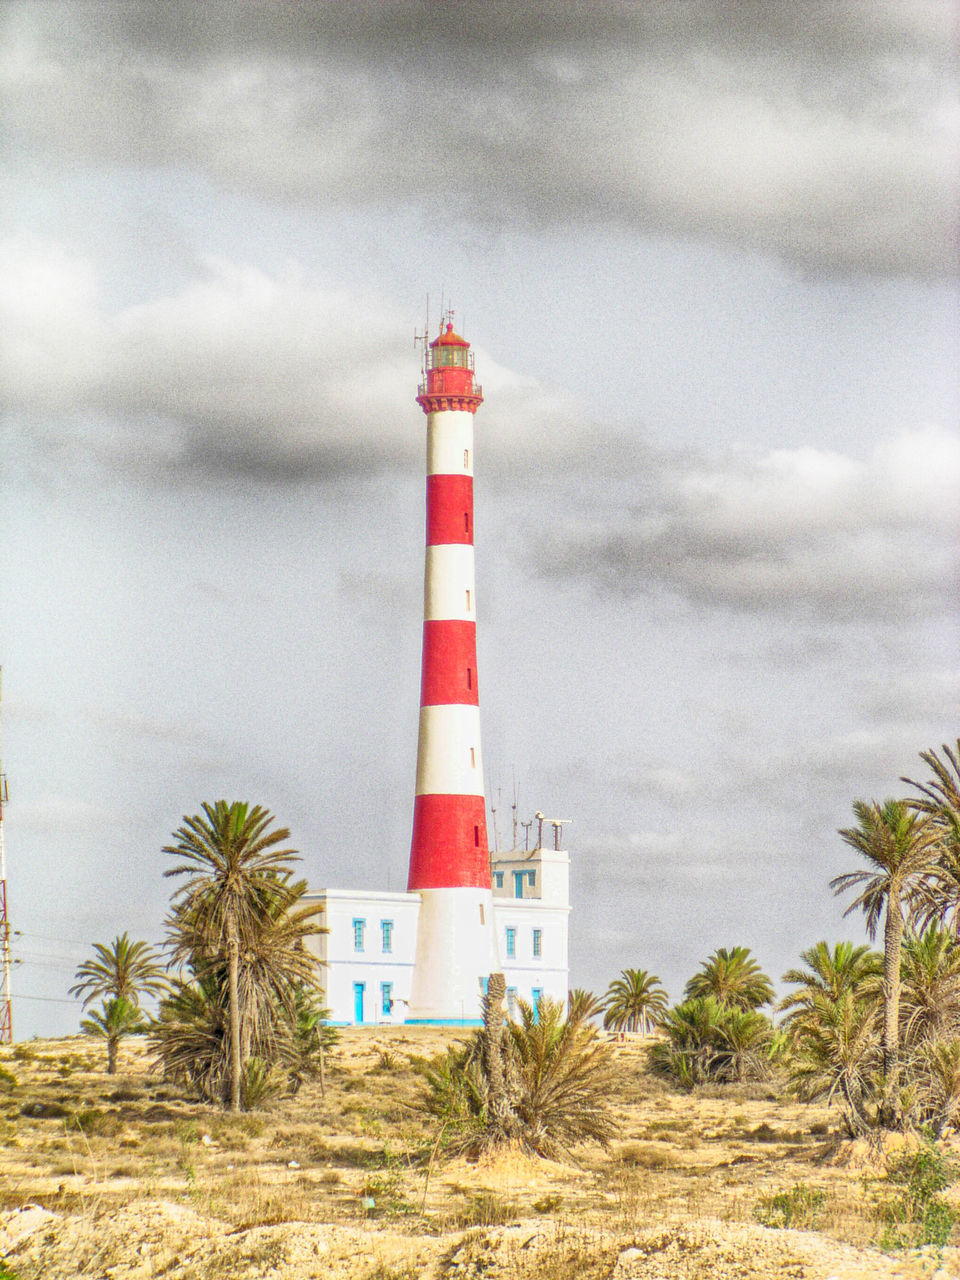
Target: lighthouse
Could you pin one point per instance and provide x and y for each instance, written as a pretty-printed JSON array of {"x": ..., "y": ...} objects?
[{"x": 449, "y": 858}]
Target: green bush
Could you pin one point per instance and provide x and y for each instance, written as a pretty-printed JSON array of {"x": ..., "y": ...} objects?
[
  {"x": 918, "y": 1214},
  {"x": 798, "y": 1208}
]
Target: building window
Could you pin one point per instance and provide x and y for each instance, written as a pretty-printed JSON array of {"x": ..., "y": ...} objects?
[
  {"x": 511, "y": 943},
  {"x": 386, "y": 932},
  {"x": 537, "y": 943},
  {"x": 518, "y": 879},
  {"x": 386, "y": 997},
  {"x": 469, "y": 677},
  {"x": 511, "y": 997},
  {"x": 476, "y": 836},
  {"x": 498, "y": 879},
  {"x": 536, "y": 995},
  {"x": 466, "y": 459},
  {"x": 466, "y": 522},
  {"x": 468, "y": 599},
  {"x": 473, "y": 758},
  {"x": 358, "y": 928},
  {"x": 531, "y": 878}
]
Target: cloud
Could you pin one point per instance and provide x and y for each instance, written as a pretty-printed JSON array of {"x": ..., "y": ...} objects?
[
  {"x": 824, "y": 133},
  {"x": 796, "y": 531},
  {"x": 240, "y": 370}
]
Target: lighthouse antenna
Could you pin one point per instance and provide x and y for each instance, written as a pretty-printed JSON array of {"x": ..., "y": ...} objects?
[{"x": 424, "y": 338}]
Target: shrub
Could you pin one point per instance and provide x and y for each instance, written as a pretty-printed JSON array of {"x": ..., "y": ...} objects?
[
  {"x": 798, "y": 1208},
  {"x": 919, "y": 1215}
]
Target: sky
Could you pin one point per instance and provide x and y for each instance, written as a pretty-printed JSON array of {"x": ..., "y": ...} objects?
[{"x": 707, "y": 258}]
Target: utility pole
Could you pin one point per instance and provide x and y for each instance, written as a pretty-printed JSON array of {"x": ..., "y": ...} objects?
[{"x": 6, "y": 1007}]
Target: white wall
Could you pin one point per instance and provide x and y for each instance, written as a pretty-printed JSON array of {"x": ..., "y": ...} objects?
[
  {"x": 372, "y": 966},
  {"x": 544, "y": 906}
]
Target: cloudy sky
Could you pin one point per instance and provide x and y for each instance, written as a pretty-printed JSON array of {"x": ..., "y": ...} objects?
[{"x": 707, "y": 257}]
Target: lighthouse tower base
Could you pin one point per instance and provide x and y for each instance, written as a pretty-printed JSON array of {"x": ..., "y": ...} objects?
[{"x": 456, "y": 953}]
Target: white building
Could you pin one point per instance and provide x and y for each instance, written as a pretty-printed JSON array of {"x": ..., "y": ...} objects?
[{"x": 368, "y": 949}]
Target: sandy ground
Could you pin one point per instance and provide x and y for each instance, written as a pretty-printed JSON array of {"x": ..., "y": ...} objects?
[{"x": 131, "y": 1179}]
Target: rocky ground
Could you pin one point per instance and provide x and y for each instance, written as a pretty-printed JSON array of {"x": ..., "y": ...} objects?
[{"x": 123, "y": 1177}]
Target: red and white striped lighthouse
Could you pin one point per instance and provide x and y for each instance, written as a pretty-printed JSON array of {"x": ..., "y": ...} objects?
[{"x": 449, "y": 858}]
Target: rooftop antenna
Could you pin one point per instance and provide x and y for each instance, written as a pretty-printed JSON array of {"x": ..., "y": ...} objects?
[
  {"x": 557, "y": 823},
  {"x": 6, "y": 1004},
  {"x": 514, "y": 808}
]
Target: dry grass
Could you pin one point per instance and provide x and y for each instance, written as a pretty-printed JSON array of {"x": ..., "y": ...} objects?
[{"x": 113, "y": 1155}]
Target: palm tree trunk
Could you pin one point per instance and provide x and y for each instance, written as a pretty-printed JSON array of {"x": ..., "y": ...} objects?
[
  {"x": 113, "y": 1043},
  {"x": 233, "y": 953},
  {"x": 892, "y": 941},
  {"x": 493, "y": 1051}
]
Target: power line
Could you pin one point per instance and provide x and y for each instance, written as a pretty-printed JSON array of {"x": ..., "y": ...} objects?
[
  {"x": 45, "y": 937},
  {"x": 46, "y": 999}
]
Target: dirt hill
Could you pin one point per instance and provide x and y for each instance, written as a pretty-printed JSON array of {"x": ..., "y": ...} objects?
[{"x": 131, "y": 1179}]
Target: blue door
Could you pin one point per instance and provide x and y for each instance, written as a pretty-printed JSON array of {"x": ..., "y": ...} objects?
[
  {"x": 358, "y": 1001},
  {"x": 536, "y": 996}
]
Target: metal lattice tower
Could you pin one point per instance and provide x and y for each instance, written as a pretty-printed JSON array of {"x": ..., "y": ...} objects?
[{"x": 6, "y": 1009}]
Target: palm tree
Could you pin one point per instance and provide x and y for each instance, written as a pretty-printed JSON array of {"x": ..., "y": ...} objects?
[
  {"x": 930, "y": 981},
  {"x": 190, "y": 1036},
  {"x": 941, "y": 794},
  {"x": 747, "y": 1039},
  {"x": 304, "y": 1057},
  {"x": 901, "y": 848},
  {"x": 634, "y": 1001},
  {"x": 733, "y": 977},
  {"x": 583, "y": 1005},
  {"x": 690, "y": 1046},
  {"x": 274, "y": 963},
  {"x": 940, "y": 803},
  {"x": 543, "y": 1082},
  {"x": 940, "y": 1079},
  {"x": 827, "y": 976},
  {"x": 235, "y": 870},
  {"x": 119, "y": 1017},
  {"x": 836, "y": 1055},
  {"x": 123, "y": 970}
]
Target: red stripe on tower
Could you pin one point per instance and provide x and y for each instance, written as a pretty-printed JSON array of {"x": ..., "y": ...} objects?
[
  {"x": 449, "y": 849},
  {"x": 449, "y": 664},
  {"x": 449, "y": 509}
]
